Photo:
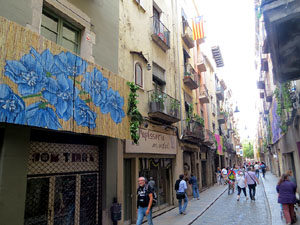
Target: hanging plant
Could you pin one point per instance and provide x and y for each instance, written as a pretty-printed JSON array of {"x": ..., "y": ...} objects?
[
  {"x": 136, "y": 117},
  {"x": 284, "y": 104}
]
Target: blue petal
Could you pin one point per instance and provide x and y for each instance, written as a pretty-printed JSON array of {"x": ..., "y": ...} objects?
[{"x": 52, "y": 98}]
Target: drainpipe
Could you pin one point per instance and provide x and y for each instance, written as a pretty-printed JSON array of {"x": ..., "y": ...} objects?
[{"x": 178, "y": 64}]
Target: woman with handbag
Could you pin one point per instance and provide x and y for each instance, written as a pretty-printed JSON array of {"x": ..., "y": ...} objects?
[
  {"x": 286, "y": 190},
  {"x": 181, "y": 195},
  {"x": 251, "y": 180}
]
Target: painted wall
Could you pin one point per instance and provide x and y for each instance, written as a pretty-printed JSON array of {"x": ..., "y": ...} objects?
[
  {"x": 18, "y": 11},
  {"x": 105, "y": 24},
  {"x": 46, "y": 86},
  {"x": 136, "y": 27},
  {"x": 13, "y": 174}
]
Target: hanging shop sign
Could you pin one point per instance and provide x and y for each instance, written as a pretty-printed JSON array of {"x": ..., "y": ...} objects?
[
  {"x": 153, "y": 142},
  {"x": 50, "y": 158}
]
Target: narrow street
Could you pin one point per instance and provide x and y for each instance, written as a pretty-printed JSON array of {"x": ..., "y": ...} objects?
[
  {"x": 216, "y": 207},
  {"x": 228, "y": 211}
]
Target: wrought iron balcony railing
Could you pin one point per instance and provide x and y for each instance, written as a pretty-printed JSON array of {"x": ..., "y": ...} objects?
[
  {"x": 163, "y": 107},
  {"x": 161, "y": 35}
]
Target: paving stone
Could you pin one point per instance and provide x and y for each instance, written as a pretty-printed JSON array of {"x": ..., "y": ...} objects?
[{"x": 228, "y": 211}]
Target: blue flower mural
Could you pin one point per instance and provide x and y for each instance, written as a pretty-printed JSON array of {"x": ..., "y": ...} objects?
[
  {"x": 62, "y": 86},
  {"x": 46, "y": 59},
  {"x": 12, "y": 107},
  {"x": 114, "y": 105},
  {"x": 38, "y": 114},
  {"x": 83, "y": 115},
  {"x": 96, "y": 85},
  {"x": 27, "y": 74},
  {"x": 70, "y": 64},
  {"x": 61, "y": 94}
]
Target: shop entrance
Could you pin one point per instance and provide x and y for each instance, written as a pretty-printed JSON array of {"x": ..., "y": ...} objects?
[
  {"x": 160, "y": 171},
  {"x": 127, "y": 191},
  {"x": 62, "y": 185},
  {"x": 203, "y": 173}
]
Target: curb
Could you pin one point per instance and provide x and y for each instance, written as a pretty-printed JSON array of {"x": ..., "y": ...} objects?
[
  {"x": 204, "y": 210},
  {"x": 269, "y": 208}
]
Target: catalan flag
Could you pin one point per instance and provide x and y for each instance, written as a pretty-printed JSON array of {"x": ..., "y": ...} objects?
[{"x": 197, "y": 24}]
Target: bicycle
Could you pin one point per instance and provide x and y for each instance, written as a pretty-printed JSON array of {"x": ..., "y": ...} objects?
[{"x": 230, "y": 186}]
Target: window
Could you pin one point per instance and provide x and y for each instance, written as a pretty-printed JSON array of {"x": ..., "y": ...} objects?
[
  {"x": 60, "y": 31},
  {"x": 138, "y": 74},
  {"x": 158, "y": 74}
]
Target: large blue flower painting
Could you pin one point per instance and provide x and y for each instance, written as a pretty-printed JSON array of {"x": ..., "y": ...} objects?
[{"x": 53, "y": 78}]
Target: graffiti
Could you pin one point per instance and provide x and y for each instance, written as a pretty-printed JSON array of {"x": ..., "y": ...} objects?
[{"x": 64, "y": 89}]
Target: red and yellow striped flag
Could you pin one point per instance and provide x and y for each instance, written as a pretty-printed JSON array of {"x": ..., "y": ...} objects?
[{"x": 197, "y": 24}]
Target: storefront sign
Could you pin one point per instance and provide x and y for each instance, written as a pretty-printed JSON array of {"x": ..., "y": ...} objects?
[
  {"x": 49, "y": 158},
  {"x": 153, "y": 142}
]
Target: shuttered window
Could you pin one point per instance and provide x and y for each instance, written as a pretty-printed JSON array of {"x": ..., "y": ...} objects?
[
  {"x": 60, "y": 31},
  {"x": 158, "y": 74},
  {"x": 138, "y": 75}
]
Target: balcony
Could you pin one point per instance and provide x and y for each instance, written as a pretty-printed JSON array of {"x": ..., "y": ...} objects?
[
  {"x": 264, "y": 65},
  {"x": 213, "y": 109},
  {"x": 190, "y": 77},
  {"x": 204, "y": 96},
  {"x": 201, "y": 63},
  {"x": 282, "y": 21},
  {"x": 220, "y": 93},
  {"x": 160, "y": 35},
  {"x": 194, "y": 132},
  {"x": 188, "y": 37},
  {"x": 163, "y": 108},
  {"x": 260, "y": 84},
  {"x": 221, "y": 117},
  {"x": 209, "y": 138}
]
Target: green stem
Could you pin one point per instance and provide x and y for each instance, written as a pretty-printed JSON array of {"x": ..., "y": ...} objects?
[{"x": 32, "y": 96}]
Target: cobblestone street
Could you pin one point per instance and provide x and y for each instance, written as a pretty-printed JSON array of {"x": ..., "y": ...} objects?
[{"x": 228, "y": 211}]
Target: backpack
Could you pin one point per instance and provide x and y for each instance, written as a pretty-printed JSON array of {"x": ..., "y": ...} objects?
[
  {"x": 154, "y": 201},
  {"x": 231, "y": 175},
  {"x": 177, "y": 185}
]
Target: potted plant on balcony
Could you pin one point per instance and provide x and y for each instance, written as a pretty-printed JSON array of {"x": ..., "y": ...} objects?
[
  {"x": 199, "y": 120},
  {"x": 157, "y": 101},
  {"x": 174, "y": 107}
]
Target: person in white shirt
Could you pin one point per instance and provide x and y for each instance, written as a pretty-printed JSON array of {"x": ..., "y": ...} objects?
[
  {"x": 182, "y": 189},
  {"x": 241, "y": 184},
  {"x": 224, "y": 175},
  {"x": 256, "y": 167}
]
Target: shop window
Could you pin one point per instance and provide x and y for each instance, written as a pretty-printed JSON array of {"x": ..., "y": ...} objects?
[
  {"x": 138, "y": 75},
  {"x": 58, "y": 30}
]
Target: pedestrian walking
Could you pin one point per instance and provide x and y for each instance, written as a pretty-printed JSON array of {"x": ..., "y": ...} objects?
[
  {"x": 144, "y": 202},
  {"x": 224, "y": 175},
  {"x": 286, "y": 190},
  {"x": 219, "y": 176},
  {"x": 151, "y": 183},
  {"x": 251, "y": 180},
  {"x": 180, "y": 187},
  {"x": 241, "y": 185},
  {"x": 193, "y": 181},
  {"x": 263, "y": 168},
  {"x": 256, "y": 167},
  {"x": 291, "y": 177}
]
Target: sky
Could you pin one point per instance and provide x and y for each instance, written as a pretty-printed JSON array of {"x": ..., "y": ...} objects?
[{"x": 231, "y": 25}]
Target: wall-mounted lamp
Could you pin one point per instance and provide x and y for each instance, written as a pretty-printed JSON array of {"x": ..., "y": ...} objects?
[{"x": 148, "y": 66}]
